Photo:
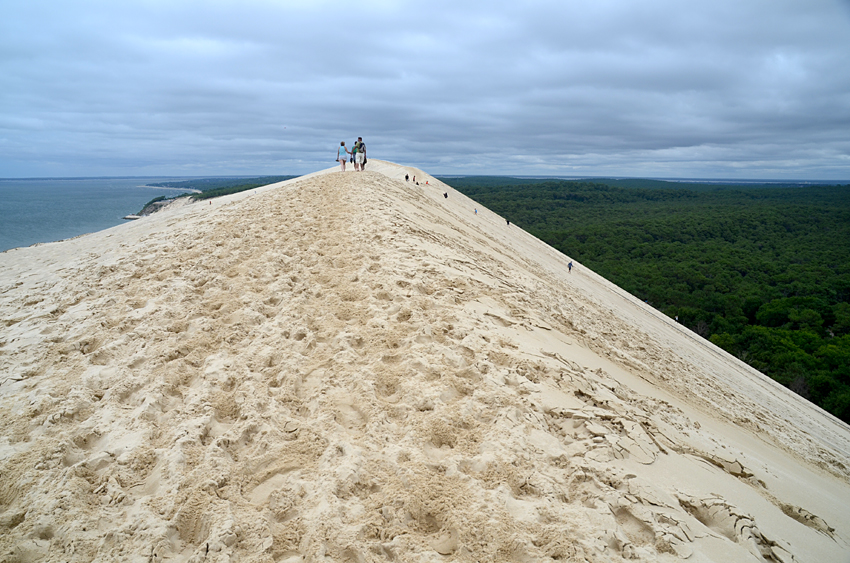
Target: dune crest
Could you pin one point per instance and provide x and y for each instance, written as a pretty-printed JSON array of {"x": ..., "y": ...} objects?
[{"x": 350, "y": 367}]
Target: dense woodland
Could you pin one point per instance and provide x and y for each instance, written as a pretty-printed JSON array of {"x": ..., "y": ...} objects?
[{"x": 762, "y": 271}]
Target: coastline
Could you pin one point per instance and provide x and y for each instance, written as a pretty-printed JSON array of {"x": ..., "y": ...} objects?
[
  {"x": 184, "y": 190},
  {"x": 42, "y": 211}
]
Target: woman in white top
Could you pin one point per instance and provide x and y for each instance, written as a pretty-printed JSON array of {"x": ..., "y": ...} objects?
[{"x": 342, "y": 155}]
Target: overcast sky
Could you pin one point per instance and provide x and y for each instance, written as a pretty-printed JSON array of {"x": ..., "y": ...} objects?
[{"x": 709, "y": 88}]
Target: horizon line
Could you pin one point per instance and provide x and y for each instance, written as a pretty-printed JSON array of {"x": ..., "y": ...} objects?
[{"x": 673, "y": 179}]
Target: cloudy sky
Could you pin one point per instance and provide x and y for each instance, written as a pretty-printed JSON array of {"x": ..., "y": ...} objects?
[{"x": 659, "y": 88}]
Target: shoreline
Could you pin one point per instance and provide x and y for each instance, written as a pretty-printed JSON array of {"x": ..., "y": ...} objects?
[
  {"x": 184, "y": 190},
  {"x": 47, "y": 211}
]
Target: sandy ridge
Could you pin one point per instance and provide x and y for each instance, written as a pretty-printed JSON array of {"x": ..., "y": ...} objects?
[{"x": 347, "y": 367}]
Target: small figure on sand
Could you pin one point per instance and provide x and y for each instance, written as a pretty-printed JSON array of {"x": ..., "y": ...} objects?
[
  {"x": 358, "y": 152},
  {"x": 342, "y": 155},
  {"x": 445, "y": 194},
  {"x": 406, "y": 178},
  {"x": 570, "y": 267},
  {"x": 508, "y": 222},
  {"x": 353, "y": 160}
]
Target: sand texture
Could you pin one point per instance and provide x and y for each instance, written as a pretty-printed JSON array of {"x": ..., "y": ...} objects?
[{"x": 349, "y": 367}]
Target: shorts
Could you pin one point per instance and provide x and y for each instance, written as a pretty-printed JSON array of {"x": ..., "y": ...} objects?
[{"x": 359, "y": 158}]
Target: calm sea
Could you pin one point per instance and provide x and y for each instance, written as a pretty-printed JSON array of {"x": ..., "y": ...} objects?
[{"x": 44, "y": 210}]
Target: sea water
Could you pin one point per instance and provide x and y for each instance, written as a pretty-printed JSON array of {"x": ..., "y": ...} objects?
[{"x": 45, "y": 210}]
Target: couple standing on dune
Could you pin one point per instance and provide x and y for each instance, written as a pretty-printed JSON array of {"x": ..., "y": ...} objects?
[{"x": 357, "y": 152}]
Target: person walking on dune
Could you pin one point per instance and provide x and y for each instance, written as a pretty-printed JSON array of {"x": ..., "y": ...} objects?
[
  {"x": 360, "y": 157},
  {"x": 342, "y": 155},
  {"x": 356, "y": 155}
]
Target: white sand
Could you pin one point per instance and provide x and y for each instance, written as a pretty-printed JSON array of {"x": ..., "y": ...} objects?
[{"x": 348, "y": 367}]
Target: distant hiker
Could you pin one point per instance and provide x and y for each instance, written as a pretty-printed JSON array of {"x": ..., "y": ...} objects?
[
  {"x": 677, "y": 318},
  {"x": 426, "y": 182},
  {"x": 570, "y": 267},
  {"x": 476, "y": 211},
  {"x": 508, "y": 222},
  {"x": 445, "y": 194},
  {"x": 414, "y": 179},
  {"x": 358, "y": 152},
  {"x": 406, "y": 178},
  {"x": 342, "y": 155}
]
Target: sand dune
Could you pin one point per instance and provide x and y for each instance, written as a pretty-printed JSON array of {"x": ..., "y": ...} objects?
[{"x": 349, "y": 367}]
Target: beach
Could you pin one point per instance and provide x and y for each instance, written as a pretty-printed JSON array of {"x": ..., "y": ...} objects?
[{"x": 352, "y": 367}]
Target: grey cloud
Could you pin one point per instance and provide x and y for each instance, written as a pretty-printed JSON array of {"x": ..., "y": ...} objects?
[{"x": 712, "y": 89}]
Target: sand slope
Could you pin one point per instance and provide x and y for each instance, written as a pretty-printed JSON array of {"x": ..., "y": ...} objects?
[{"x": 348, "y": 367}]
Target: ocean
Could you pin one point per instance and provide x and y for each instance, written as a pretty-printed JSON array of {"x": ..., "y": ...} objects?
[{"x": 49, "y": 209}]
